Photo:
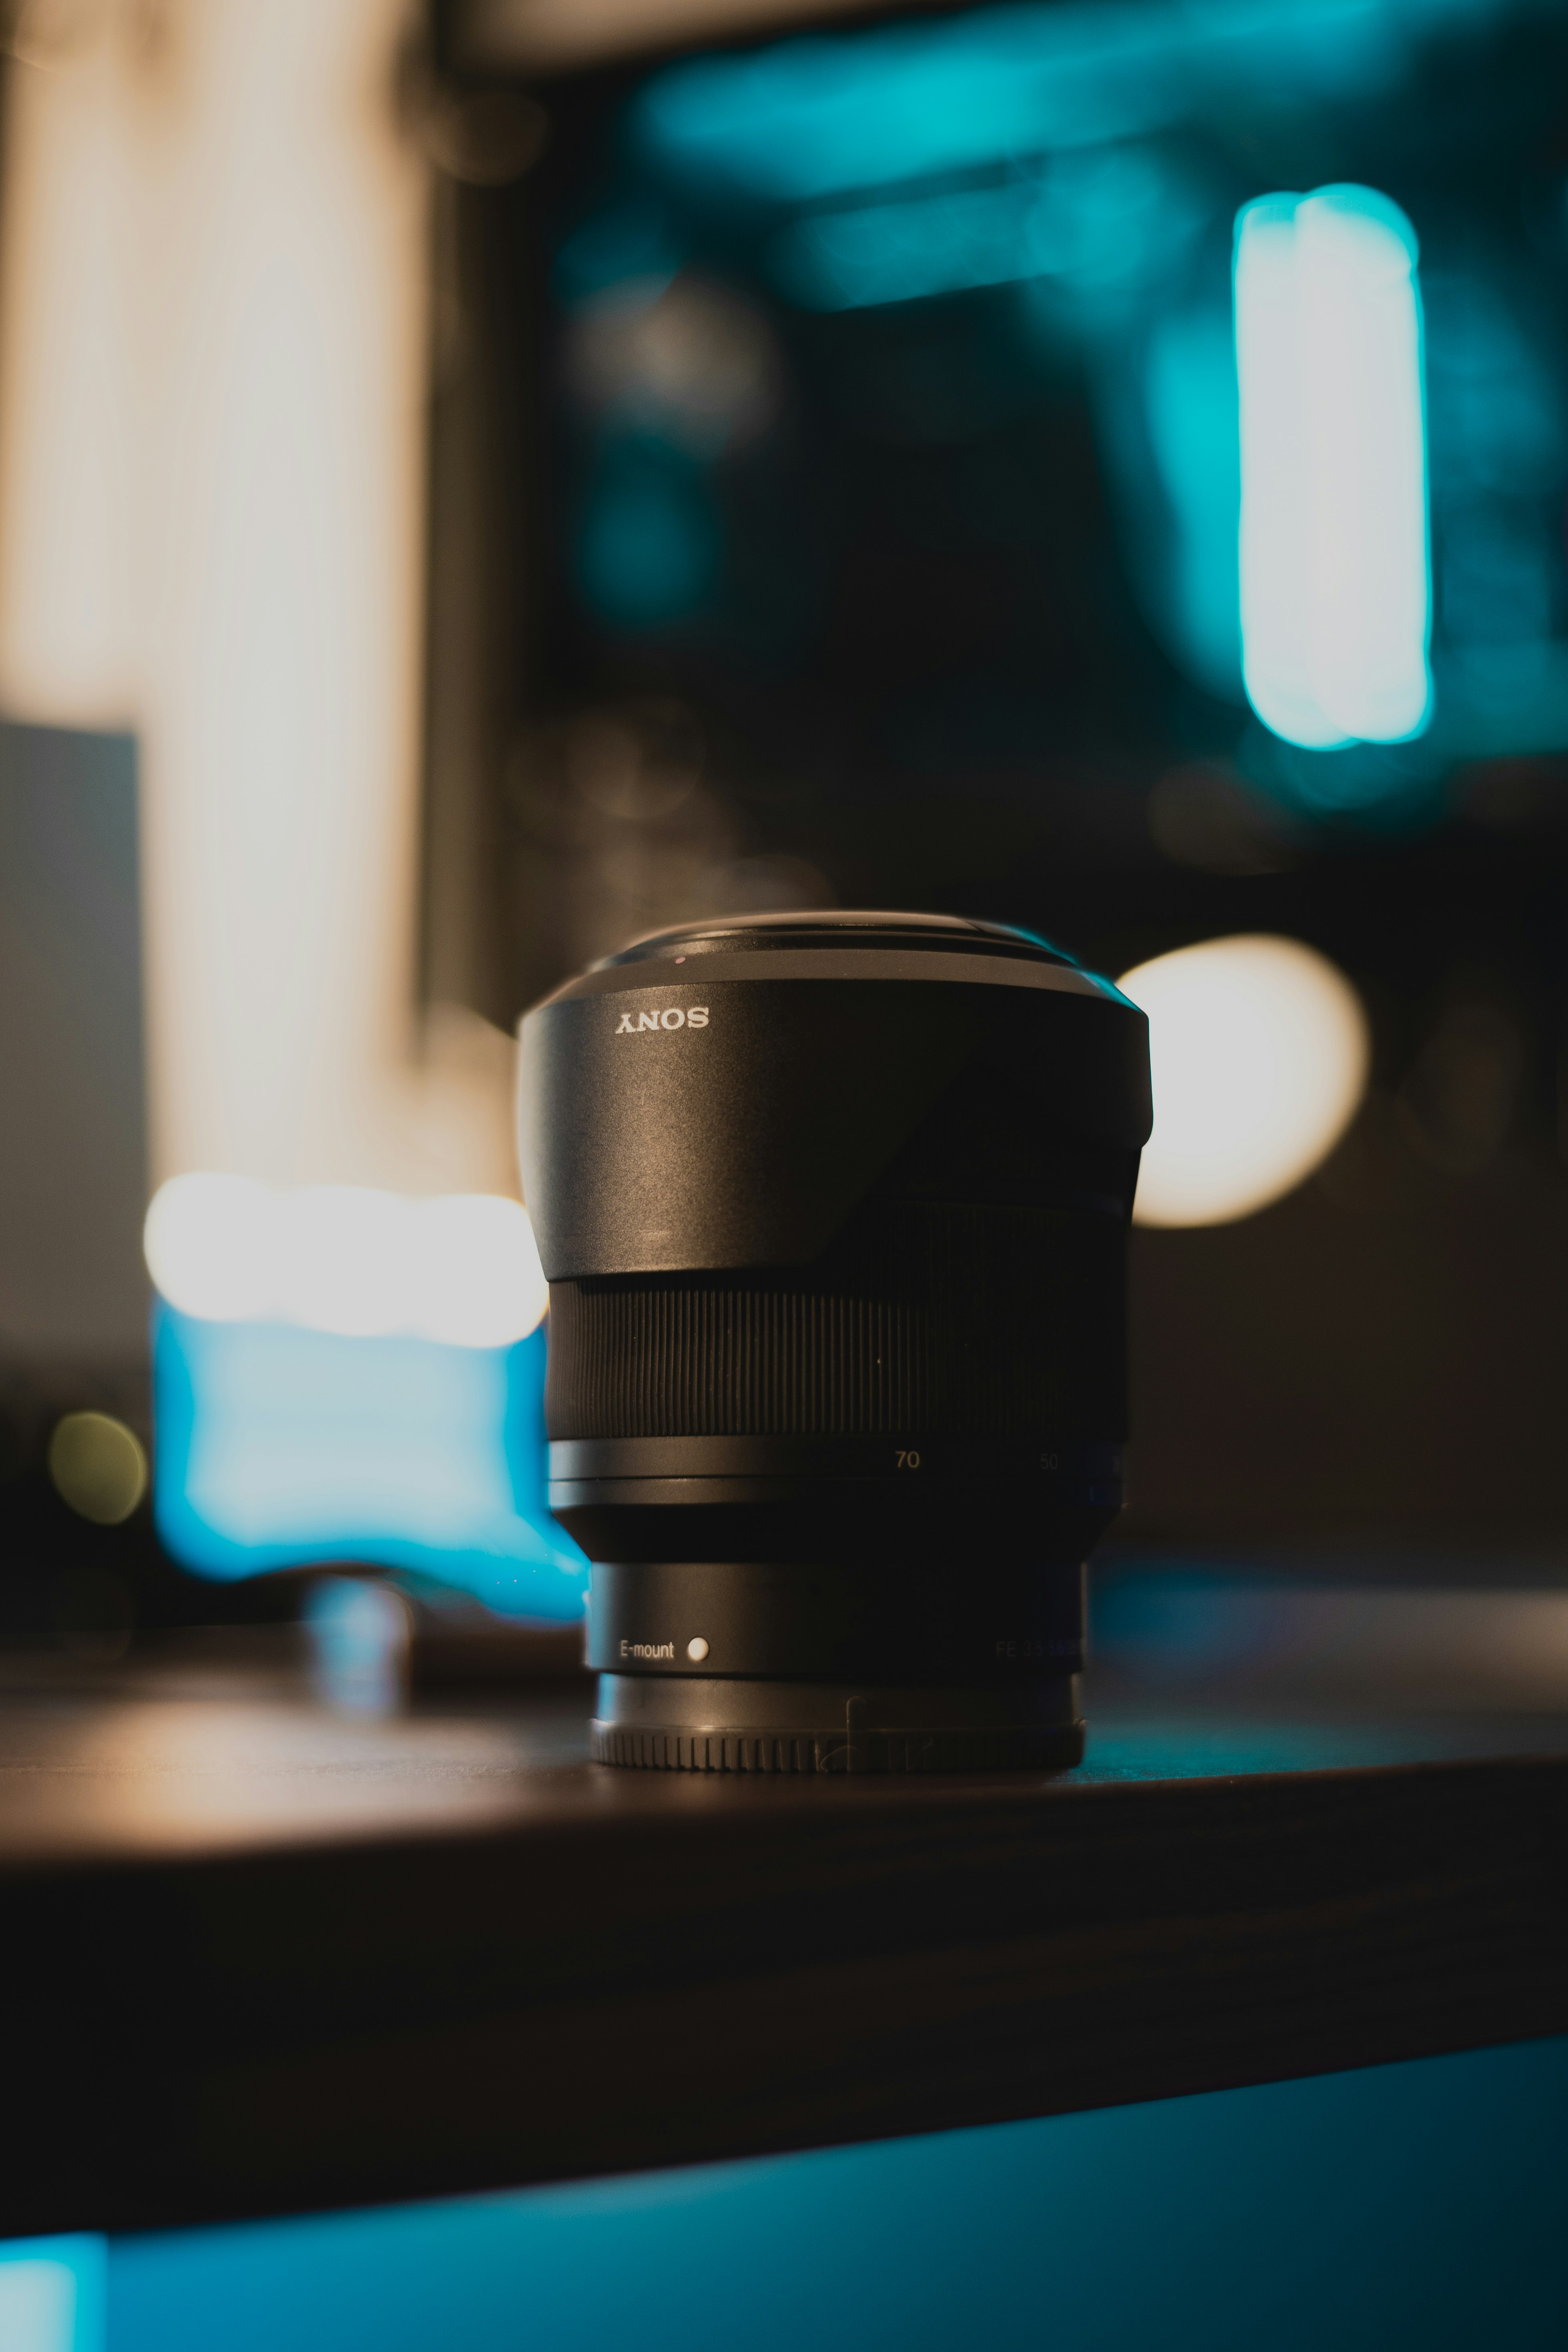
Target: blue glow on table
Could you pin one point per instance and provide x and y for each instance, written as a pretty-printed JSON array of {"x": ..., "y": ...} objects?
[
  {"x": 279, "y": 1447},
  {"x": 1414, "y": 2205}
]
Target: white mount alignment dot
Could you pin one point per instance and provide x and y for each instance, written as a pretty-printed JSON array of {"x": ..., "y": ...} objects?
[{"x": 696, "y": 1650}]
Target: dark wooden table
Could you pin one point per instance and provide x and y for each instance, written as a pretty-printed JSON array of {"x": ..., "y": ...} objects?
[{"x": 258, "y": 1958}]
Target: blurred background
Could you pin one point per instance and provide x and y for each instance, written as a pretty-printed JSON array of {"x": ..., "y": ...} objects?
[{"x": 480, "y": 482}]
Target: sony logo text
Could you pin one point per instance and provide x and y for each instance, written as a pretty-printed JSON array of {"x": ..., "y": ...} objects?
[{"x": 628, "y": 1024}]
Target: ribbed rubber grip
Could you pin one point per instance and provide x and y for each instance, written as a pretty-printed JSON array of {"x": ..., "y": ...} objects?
[
  {"x": 1032, "y": 1751},
  {"x": 942, "y": 1319}
]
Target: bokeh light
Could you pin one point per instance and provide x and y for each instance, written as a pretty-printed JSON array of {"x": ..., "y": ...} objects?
[
  {"x": 477, "y": 1279},
  {"x": 348, "y": 1259},
  {"x": 98, "y": 1467},
  {"x": 359, "y": 1632},
  {"x": 1259, "y": 1051},
  {"x": 342, "y": 1260},
  {"x": 211, "y": 1246},
  {"x": 1335, "y": 577}
]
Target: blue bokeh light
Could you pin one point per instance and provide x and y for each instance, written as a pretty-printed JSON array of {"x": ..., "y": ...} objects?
[
  {"x": 1099, "y": 221},
  {"x": 52, "y": 2294},
  {"x": 816, "y": 116},
  {"x": 279, "y": 1447},
  {"x": 650, "y": 541},
  {"x": 1189, "y": 388}
]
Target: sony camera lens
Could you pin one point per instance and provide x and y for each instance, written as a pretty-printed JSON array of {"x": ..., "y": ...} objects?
[{"x": 834, "y": 1212}]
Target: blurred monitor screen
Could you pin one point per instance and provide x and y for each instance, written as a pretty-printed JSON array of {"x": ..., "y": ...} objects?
[
  {"x": 280, "y": 1447},
  {"x": 869, "y": 467}
]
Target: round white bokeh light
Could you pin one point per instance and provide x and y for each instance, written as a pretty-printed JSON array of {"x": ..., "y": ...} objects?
[
  {"x": 479, "y": 1282},
  {"x": 1259, "y": 1053},
  {"x": 211, "y": 1246},
  {"x": 344, "y": 1252}
]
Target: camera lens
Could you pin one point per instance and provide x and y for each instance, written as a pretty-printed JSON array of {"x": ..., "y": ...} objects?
[{"x": 832, "y": 1209}]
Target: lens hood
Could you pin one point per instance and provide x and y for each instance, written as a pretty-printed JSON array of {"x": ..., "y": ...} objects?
[{"x": 832, "y": 1209}]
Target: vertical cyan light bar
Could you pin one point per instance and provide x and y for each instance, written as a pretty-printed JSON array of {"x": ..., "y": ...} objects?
[{"x": 1335, "y": 572}]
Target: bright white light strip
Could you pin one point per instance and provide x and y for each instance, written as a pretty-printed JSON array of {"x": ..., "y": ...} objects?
[
  {"x": 213, "y": 354},
  {"x": 69, "y": 253},
  {"x": 1335, "y": 573},
  {"x": 1260, "y": 1054},
  {"x": 343, "y": 1258}
]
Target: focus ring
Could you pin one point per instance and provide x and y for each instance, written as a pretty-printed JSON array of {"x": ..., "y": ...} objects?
[{"x": 937, "y": 1318}]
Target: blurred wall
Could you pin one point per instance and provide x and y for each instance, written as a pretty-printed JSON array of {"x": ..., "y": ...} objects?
[
  {"x": 1375, "y": 1360},
  {"x": 213, "y": 318},
  {"x": 73, "y": 1147}
]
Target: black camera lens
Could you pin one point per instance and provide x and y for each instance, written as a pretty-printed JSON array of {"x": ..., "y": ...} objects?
[{"x": 834, "y": 1210}]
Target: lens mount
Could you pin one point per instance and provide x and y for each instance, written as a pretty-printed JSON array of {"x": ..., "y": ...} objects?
[{"x": 701, "y": 1725}]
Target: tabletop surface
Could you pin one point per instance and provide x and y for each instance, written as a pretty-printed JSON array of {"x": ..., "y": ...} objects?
[
  {"x": 260, "y": 1956},
  {"x": 223, "y": 1747}
]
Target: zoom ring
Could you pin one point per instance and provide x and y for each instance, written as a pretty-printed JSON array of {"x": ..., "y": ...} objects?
[{"x": 948, "y": 1320}]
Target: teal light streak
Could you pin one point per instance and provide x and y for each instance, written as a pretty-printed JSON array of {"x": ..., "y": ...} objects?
[{"x": 810, "y": 118}]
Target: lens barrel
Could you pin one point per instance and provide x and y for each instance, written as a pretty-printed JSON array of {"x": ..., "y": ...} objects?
[{"x": 832, "y": 1209}]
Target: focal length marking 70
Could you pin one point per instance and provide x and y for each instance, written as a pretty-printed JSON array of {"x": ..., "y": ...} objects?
[{"x": 673, "y": 1018}]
